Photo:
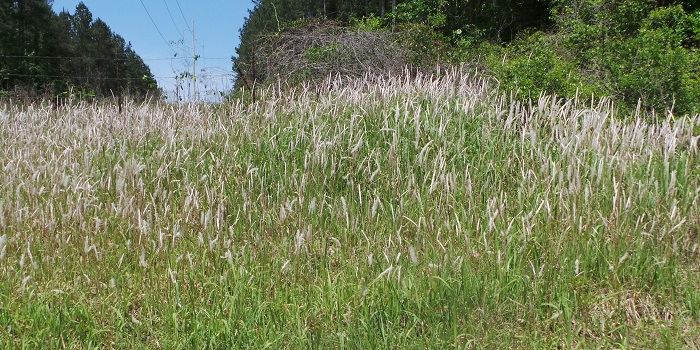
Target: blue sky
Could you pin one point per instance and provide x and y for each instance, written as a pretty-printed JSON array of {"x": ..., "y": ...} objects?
[{"x": 216, "y": 25}]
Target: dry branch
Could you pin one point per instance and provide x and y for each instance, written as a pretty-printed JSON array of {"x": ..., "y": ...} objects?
[{"x": 314, "y": 50}]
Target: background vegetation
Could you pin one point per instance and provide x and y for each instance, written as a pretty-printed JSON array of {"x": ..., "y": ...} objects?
[
  {"x": 44, "y": 54},
  {"x": 643, "y": 54}
]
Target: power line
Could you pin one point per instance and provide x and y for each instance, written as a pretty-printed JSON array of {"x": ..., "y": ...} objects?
[
  {"x": 183, "y": 15},
  {"x": 154, "y": 24},
  {"x": 218, "y": 75},
  {"x": 108, "y": 59},
  {"x": 72, "y": 77},
  {"x": 171, "y": 16},
  {"x": 215, "y": 58},
  {"x": 85, "y": 58}
]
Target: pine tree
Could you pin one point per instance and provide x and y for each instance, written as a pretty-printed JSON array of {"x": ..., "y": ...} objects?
[{"x": 48, "y": 54}]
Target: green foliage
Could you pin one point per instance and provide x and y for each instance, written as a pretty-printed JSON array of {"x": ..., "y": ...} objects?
[
  {"x": 652, "y": 60},
  {"x": 635, "y": 51},
  {"x": 533, "y": 66},
  {"x": 444, "y": 29},
  {"x": 603, "y": 49},
  {"x": 466, "y": 37},
  {"x": 655, "y": 68},
  {"x": 424, "y": 45},
  {"x": 321, "y": 53},
  {"x": 692, "y": 27},
  {"x": 371, "y": 23},
  {"x": 429, "y": 12}
]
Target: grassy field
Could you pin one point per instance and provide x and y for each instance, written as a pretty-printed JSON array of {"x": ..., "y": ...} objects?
[{"x": 398, "y": 213}]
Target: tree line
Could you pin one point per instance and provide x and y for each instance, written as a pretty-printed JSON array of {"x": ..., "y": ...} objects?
[
  {"x": 493, "y": 20},
  {"x": 45, "y": 54},
  {"x": 643, "y": 53}
]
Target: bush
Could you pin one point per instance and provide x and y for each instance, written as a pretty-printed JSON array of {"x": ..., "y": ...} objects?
[
  {"x": 655, "y": 68},
  {"x": 312, "y": 50},
  {"x": 424, "y": 46},
  {"x": 534, "y": 65},
  {"x": 654, "y": 62}
]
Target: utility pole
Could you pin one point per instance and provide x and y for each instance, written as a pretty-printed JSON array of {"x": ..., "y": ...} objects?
[
  {"x": 177, "y": 88},
  {"x": 393, "y": 18},
  {"x": 194, "y": 70}
]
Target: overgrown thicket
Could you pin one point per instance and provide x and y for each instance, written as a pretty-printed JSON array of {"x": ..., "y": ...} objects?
[
  {"x": 316, "y": 49},
  {"x": 642, "y": 53},
  {"x": 44, "y": 54},
  {"x": 633, "y": 51}
]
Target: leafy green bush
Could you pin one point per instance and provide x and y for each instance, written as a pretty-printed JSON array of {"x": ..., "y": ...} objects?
[
  {"x": 653, "y": 62},
  {"x": 429, "y": 12},
  {"x": 655, "y": 68},
  {"x": 370, "y": 23},
  {"x": 424, "y": 46},
  {"x": 691, "y": 25},
  {"x": 535, "y": 65}
]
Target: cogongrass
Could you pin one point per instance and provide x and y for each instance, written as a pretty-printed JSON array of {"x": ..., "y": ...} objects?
[{"x": 368, "y": 213}]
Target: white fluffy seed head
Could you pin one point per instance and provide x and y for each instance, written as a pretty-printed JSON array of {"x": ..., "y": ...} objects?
[
  {"x": 86, "y": 248},
  {"x": 229, "y": 257},
  {"x": 3, "y": 245},
  {"x": 412, "y": 254},
  {"x": 375, "y": 205},
  {"x": 623, "y": 258},
  {"x": 142, "y": 258}
]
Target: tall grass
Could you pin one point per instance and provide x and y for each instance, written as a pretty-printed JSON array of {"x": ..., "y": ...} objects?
[{"x": 371, "y": 213}]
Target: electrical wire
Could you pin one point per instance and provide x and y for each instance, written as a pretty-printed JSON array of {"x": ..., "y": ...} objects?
[
  {"x": 159, "y": 32},
  {"x": 83, "y": 57},
  {"x": 107, "y": 58},
  {"x": 103, "y": 78},
  {"x": 71, "y": 77},
  {"x": 171, "y": 16},
  {"x": 183, "y": 15}
]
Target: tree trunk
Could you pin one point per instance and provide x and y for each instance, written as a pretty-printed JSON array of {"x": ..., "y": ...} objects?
[{"x": 393, "y": 19}]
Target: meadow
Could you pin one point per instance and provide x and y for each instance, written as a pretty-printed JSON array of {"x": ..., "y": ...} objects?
[{"x": 423, "y": 212}]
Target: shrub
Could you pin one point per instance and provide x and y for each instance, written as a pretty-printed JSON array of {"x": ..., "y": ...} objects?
[
  {"x": 653, "y": 62},
  {"x": 312, "y": 50},
  {"x": 534, "y": 65},
  {"x": 653, "y": 66},
  {"x": 424, "y": 46}
]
